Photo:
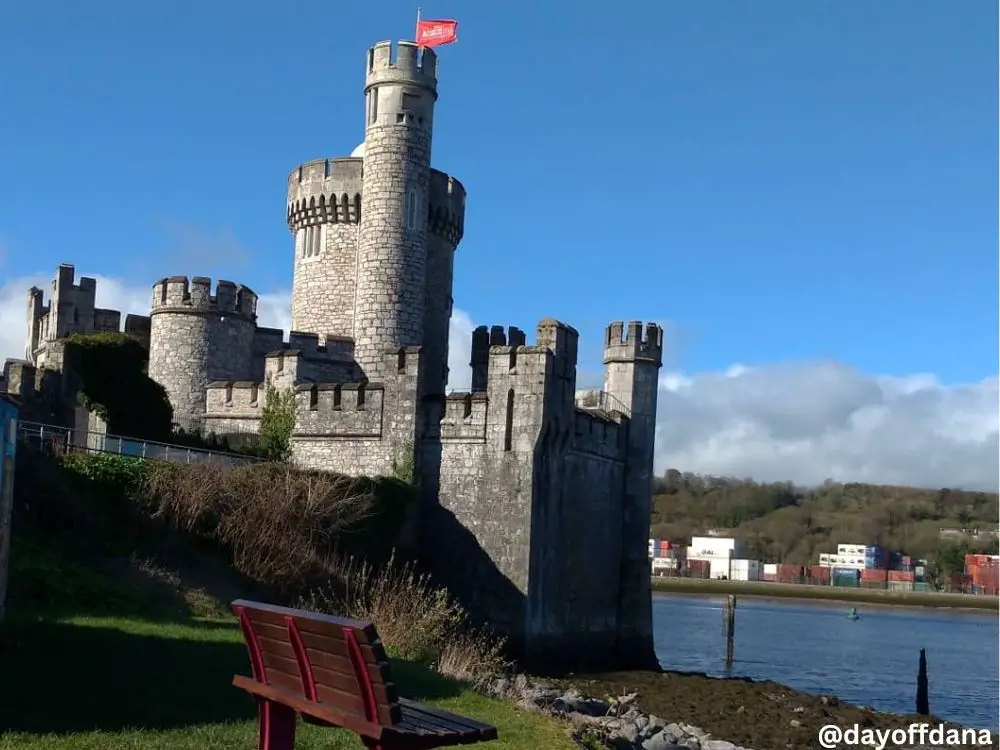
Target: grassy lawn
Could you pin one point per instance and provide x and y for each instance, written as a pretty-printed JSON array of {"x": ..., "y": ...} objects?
[
  {"x": 829, "y": 593},
  {"x": 124, "y": 683}
]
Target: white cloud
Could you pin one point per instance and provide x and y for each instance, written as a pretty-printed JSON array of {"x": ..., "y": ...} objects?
[{"x": 805, "y": 422}]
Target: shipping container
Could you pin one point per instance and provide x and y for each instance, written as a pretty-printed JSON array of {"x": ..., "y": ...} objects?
[
  {"x": 921, "y": 586},
  {"x": 900, "y": 586},
  {"x": 844, "y": 577},
  {"x": 819, "y": 572},
  {"x": 699, "y": 568},
  {"x": 874, "y": 574},
  {"x": 744, "y": 570},
  {"x": 789, "y": 572},
  {"x": 770, "y": 569},
  {"x": 900, "y": 576},
  {"x": 769, "y": 577}
]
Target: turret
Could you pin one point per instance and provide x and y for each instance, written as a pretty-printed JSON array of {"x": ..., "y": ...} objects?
[
  {"x": 632, "y": 360},
  {"x": 197, "y": 337},
  {"x": 323, "y": 213},
  {"x": 392, "y": 240}
]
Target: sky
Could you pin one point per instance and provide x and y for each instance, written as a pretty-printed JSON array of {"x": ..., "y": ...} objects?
[{"x": 804, "y": 194}]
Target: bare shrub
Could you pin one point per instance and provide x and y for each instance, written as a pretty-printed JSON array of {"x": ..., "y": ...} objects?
[
  {"x": 416, "y": 619},
  {"x": 281, "y": 526}
]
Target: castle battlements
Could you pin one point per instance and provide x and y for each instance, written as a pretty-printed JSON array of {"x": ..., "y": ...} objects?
[
  {"x": 632, "y": 343},
  {"x": 465, "y": 417},
  {"x": 72, "y": 309},
  {"x": 403, "y": 62},
  {"x": 325, "y": 191},
  {"x": 339, "y": 410},
  {"x": 599, "y": 435},
  {"x": 234, "y": 398},
  {"x": 178, "y": 294},
  {"x": 446, "y": 214}
]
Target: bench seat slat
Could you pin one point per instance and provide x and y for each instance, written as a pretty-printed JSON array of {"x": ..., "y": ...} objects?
[
  {"x": 462, "y": 721},
  {"x": 418, "y": 718}
]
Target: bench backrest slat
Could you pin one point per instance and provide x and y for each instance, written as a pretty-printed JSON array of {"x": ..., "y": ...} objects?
[{"x": 333, "y": 661}]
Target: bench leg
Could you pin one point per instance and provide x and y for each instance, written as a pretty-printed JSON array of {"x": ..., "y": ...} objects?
[{"x": 276, "y": 726}]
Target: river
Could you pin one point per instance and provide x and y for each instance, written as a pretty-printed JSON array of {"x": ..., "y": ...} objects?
[{"x": 813, "y": 647}]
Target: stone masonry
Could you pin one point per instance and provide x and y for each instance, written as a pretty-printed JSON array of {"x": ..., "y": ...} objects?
[{"x": 535, "y": 497}]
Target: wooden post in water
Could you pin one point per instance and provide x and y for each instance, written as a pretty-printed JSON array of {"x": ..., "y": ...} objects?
[
  {"x": 923, "y": 703},
  {"x": 730, "y": 627}
]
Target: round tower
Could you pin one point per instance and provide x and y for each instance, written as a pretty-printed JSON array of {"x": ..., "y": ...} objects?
[
  {"x": 196, "y": 338},
  {"x": 324, "y": 209},
  {"x": 392, "y": 238}
]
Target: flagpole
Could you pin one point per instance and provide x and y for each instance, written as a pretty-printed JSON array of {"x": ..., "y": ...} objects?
[{"x": 418, "y": 21}]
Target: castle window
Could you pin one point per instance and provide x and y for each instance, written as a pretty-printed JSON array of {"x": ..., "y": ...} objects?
[
  {"x": 411, "y": 209},
  {"x": 508, "y": 430},
  {"x": 229, "y": 393},
  {"x": 373, "y": 105},
  {"x": 254, "y": 393}
]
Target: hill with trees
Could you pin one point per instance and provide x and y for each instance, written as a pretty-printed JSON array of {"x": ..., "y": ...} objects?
[{"x": 785, "y": 523}]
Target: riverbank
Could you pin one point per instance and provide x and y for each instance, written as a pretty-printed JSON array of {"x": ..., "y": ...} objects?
[
  {"x": 767, "y": 590},
  {"x": 761, "y": 715}
]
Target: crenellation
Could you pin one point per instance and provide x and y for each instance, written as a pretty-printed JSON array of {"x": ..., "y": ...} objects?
[
  {"x": 314, "y": 346},
  {"x": 404, "y": 62},
  {"x": 465, "y": 416},
  {"x": 194, "y": 296},
  {"x": 325, "y": 191},
  {"x": 446, "y": 209},
  {"x": 632, "y": 343},
  {"x": 339, "y": 410},
  {"x": 71, "y": 310},
  {"x": 229, "y": 398},
  {"x": 599, "y": 436}
]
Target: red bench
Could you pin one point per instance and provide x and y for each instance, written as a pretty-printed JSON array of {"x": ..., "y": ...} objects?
[{"x": 333, "y": 672}]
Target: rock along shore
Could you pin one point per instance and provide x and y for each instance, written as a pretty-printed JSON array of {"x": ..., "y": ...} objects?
[{"x": 671, "y": 711}]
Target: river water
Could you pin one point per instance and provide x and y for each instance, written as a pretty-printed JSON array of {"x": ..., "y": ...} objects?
[{"x": 813, "y": 647}]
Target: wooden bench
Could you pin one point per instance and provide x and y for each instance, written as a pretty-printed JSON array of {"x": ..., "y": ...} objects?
[{"x": 333, "y": 672}]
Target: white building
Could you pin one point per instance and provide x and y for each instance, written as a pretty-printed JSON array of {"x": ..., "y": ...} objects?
[
  {"x": 708, "y": 548},
  {"x": 735, "y": 569},
  {"x": 840, "y": 560}
]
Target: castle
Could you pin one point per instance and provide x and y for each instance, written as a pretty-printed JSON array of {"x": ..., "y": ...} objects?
[{"x": 535, "y": 497}]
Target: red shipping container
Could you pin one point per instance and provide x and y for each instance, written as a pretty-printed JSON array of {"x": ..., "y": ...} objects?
[
  {"x": 769, "y": 577},
  {"x": 901, "y": 576},
  {"x": 789, "y": 571},
  {"x": 874, "y": 574},
  {"x": 699, "y": 566},
  {"x": 819, "y": 572}
]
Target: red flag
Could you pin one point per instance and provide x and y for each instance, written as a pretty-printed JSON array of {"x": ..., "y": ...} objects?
[{"x": 436, "y": 32}]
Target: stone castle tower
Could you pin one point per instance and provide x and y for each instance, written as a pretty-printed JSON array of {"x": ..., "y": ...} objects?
[{"x": 536, "y": 496}]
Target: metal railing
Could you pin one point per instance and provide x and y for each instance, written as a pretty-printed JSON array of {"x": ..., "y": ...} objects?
[
  {"x": 595, "y": 398},
  {"x": 56, "y": 439}
]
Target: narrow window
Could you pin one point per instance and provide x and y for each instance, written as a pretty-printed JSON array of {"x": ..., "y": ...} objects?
[
  {"x": 508, "y": 430},
  {"x": 317, "y": 243},
  {"x": 253, "y": 393},
  {"x": 411, "y": 209},
  {"x": 229, "y": 393},
  {"x": 373, "y": 105}
]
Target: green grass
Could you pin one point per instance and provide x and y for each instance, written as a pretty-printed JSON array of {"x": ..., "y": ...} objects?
[
  {"x": 128, "y": 683},
  {"x": 97, "y": 658},
  {"x": 828, "y": 593}
]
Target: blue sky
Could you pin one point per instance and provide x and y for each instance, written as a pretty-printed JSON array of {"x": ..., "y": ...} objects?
[{"x": 777, "y": 181}]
